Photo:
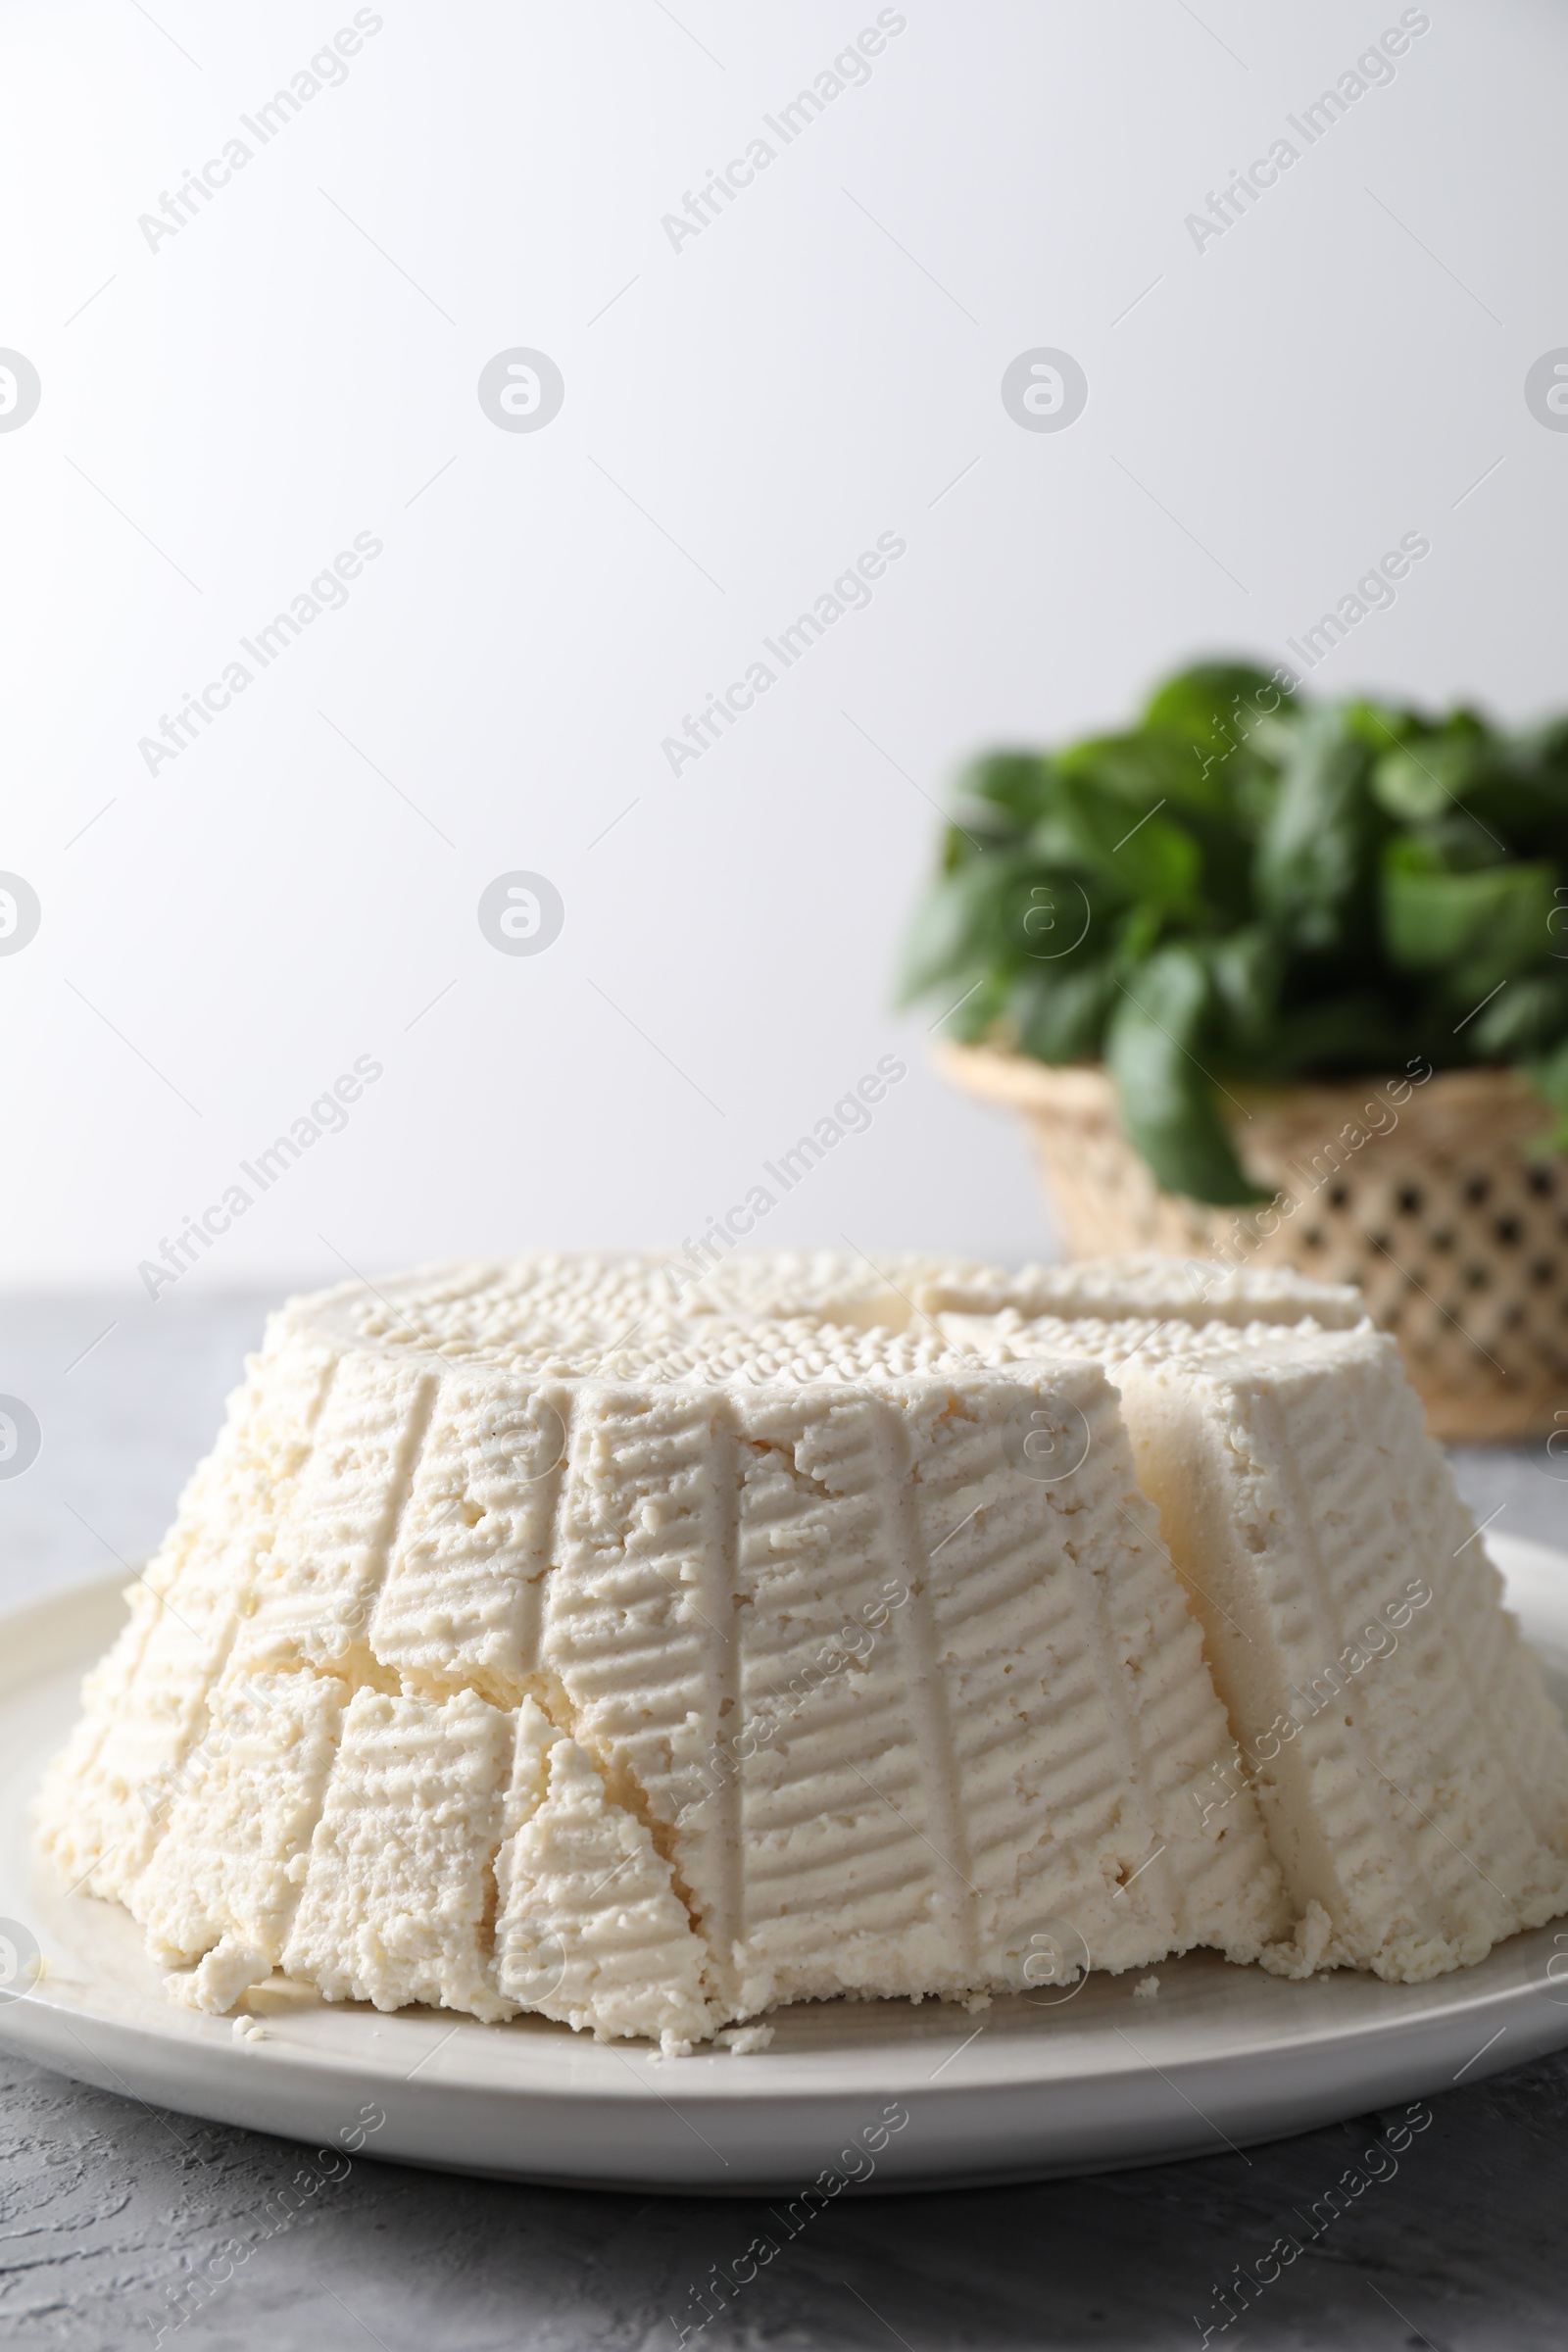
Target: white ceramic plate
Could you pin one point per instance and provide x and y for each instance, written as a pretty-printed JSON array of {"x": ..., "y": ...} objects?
[{"x": 888, "y": 2094}]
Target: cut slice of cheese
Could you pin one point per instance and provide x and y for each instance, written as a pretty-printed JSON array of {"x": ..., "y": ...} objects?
[
  {"x": 1411, "y": 1768},
  {"x": 107, "y": 1798},
  {"x": 399, "y": 1894},
  {"x": 590, "y": 1928},
  {"x": 229, "y": 1870},
  {"x": 1148, "y": 1287}
]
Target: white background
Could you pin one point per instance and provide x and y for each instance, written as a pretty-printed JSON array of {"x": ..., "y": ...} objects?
[{"x": 299, "y": 365}]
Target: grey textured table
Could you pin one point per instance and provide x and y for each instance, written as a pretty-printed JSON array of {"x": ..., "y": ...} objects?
[{"x": 110, "y": 2209}]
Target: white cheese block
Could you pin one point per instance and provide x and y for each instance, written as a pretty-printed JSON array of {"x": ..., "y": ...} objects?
[
  {"x": 1412, "y": 1771},
  {"x": 590, "y": 1928},
  {"x": 692, "y": 1662}
]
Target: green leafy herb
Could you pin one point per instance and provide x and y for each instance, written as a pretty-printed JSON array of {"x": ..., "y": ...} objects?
[{"x": 1247, "y": 887}]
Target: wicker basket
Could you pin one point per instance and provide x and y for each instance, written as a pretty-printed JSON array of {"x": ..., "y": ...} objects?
[{"x": 1457, "y": 1238}]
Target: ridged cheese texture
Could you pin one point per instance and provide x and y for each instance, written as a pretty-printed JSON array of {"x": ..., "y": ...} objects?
[
  {"x": 646, "y": 1645},
  {"x": 1411, "y": 1769}
]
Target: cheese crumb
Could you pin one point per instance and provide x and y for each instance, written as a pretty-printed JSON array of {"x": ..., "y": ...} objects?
[
  {"x": 743, "y": 2041},
  {"x": 216, "y": 1983},
  {"x": 1146, "y": 1988}
]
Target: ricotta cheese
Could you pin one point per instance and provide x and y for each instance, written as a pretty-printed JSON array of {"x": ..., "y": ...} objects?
[
  {"x": 647, "y": 1649},
  {"x": 537, "y": 1639}
]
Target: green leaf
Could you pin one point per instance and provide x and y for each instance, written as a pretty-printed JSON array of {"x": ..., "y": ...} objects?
[
  {"x": 1501, "y": 797},
  {"x": 977, "y": 1009},
  {"x": 1003, "y": 912},
  {"x": 1442, "y": 771},
  {"x": 1549, "y": 1077},
  {"x": 1550, "y": 1074},
  {"x": 1483, "y": 927},
  {"x": 1381, "y": 726},
  {"x": 1137, "y": 771},
  {"x": 983, "y": 834},
  {"x": 1246, "y": 970},
  {"x": 1214, "y": 704},
  {"x": 1138, "y": 933},
  {"x": 1061, "y": 1015},
  {"x": 1014, "y": 783},
  {"x": 1460, "y": 841},
  {"x": 1165, "y": 1097},
  {"x": 1314, "y": 859},
  {"x": 961, "y": 923},
  {"x": 1417, "y": 782},
  {"x": 1529, "y": 1015},
  {"x": 1134, "y": 851},
  {"x": 1059, "y": 916}
]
